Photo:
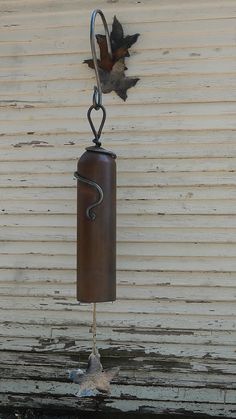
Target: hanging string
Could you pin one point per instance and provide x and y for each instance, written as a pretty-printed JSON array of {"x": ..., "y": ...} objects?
[{"x": 94, "y": 330}]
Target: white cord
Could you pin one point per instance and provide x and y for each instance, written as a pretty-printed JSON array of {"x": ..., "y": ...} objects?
[{"x": 94, "y": 329}]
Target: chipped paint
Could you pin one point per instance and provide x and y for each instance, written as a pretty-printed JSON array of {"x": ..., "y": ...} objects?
[{"x": 29, "y": 143}]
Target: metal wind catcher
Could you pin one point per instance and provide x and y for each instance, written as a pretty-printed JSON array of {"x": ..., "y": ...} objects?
[{"x": 96, "y": 230}]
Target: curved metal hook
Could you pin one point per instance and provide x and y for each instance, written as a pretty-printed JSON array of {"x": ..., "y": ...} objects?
[
  {"x": 89, "y": 213},
  {"x": 97, "y": 96}
]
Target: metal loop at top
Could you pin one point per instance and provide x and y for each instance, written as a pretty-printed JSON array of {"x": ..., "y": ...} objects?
[
  {"x": 97, "y": 133},
  {"x": 97, "y": 96}
]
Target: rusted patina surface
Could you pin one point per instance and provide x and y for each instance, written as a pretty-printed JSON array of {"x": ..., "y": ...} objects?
[{"x": 96, "y": 220}]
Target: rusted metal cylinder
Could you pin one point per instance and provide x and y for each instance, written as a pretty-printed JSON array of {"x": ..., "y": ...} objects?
[{"x": 96, "y": 226}]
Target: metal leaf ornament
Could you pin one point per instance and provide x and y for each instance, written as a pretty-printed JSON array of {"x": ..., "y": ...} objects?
[{"x": 112, "y": 69}]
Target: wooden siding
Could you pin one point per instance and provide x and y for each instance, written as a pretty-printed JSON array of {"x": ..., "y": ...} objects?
[{"x": 172, "y": 329}]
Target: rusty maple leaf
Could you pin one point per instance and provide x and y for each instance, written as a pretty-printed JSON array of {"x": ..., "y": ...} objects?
[{"x": 112, "y": 69}]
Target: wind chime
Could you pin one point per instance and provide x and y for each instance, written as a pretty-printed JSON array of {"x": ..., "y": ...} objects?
[
  {"x": 96, "y": 229},
  {"x": 96, "y": 175}
]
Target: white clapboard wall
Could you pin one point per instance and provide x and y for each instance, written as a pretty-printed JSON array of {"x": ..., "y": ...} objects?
[{"x": 173, "y": 328}]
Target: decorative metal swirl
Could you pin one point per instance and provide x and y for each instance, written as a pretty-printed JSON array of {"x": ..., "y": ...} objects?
[{"x": 89, "y": 213}]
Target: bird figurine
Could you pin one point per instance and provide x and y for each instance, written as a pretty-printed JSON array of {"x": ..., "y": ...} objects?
[
  {"x": 112, "y": 68},
  {"x": 94, "y": 380}
]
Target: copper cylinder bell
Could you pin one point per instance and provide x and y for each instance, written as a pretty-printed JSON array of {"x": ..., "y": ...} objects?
[{"x": 96, "y": 228}]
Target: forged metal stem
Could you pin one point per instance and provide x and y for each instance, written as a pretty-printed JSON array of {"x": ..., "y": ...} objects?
[{"x": 97, "y": 96}]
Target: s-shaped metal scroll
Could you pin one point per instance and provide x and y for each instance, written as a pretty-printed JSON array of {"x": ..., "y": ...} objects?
[{"x": 89, "y": 213}]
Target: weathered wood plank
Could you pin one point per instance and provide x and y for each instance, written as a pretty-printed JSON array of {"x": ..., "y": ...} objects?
[
  {"x": 125, "y": 179},
  {"x": 37, "y": 261},
  {"x": 148, "y": 165},
  {"x": 126, "y": 206},
  {"x": 59, "y": 14},
  {"x": 226, "y": 250},
  {"x": 190, "y": 27},
  {"x": 81, "y": 87},
  {"x": 159, "y": 393},
  {"x": 184, "y": 144},
  {"x": 130, "y": 336},
  {"x": 131, "y": 206},
  {"x": 135, "y": 111},
  {"x": 183, "y": 193},
  {"x": 58, "y": 277},
  {"x": 160, "y": 407},
  {"x": 189, "y": 294},
  {"x": 66, "y": 360},
  {"x": 210, "y": 224},
  {"x": 70, "y": 317},
  {"x": 130, "y": 149},
  {"x": 155, "y": 67},
  {"x": 130, "y": 234},
  {"x": 169, "y": 36},
  {"x": 152, "y": 90},
  {"x": 71, "y": 345},
  {"x": 173, "y": 122}
]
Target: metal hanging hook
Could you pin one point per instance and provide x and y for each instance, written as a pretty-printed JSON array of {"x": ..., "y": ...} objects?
[{"x": 97, "y": 95}]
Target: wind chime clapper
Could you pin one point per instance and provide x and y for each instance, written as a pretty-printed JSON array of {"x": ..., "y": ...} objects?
[{"x": 96, "y": 229}]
